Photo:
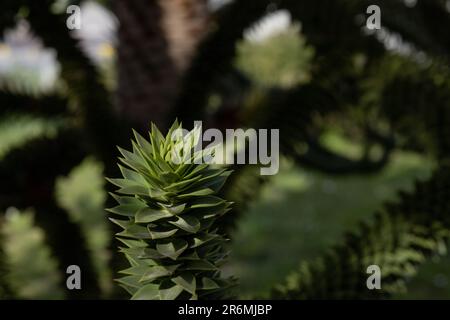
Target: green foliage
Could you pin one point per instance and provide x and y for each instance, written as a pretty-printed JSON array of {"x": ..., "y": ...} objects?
[
  {"x": 21, "y": 81},
  {"x": 32, "y": 271},
  {"x": 17, "y": 130},
  {"x": 5, "y": 290},
  {"x": 81, "y": 194},
  {"x": 281, "y": 60},
  {"x": 313, "y": 211},
  {"x": 169, "y": 211},
  {"x": 43, "y": 152},
  {"x": 401, "y": 238},
  {"x": 353, "y": 79}
]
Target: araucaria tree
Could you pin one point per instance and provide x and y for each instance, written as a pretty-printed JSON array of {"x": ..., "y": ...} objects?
[{"x": 169, "y": 211}]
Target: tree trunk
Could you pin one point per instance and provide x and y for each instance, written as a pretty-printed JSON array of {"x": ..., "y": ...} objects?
[{"x": 157, "y": 40}]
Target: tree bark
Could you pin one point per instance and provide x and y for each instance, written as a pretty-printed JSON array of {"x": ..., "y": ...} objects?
[{"x": 157, "y": 40}]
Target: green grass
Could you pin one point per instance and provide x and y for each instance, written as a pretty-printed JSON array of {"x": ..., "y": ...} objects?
[{"x": 301, "y": 214}]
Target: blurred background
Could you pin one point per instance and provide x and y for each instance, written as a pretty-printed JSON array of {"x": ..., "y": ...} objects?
[{"x": 362, "y": 114}]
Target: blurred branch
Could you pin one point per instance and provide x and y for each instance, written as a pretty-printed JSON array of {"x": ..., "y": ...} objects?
[
  {"x": 156, "y": 42},
  {"x": 321, "y": 21},
  {"x": 32, "y": 269},
  {"x": 418, "y": 107},
  {"x": 5, "y": 289},
  {"x": 214, "y": 57},
  {"x": 18, "y": 129},
  {"x": 103, "y": 127},
  {"x": 423, "y": 24},
  {"x": 40, "y": 106},
  {"x": 293, "y": 112},
  {"x": 40, "y": 162}
]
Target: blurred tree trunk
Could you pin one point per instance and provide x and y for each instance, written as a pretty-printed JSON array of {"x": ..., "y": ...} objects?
[{"x": 157, "y": 40}]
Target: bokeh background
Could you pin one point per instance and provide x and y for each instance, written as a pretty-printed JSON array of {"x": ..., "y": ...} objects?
[{"x": 362, "y": 115}]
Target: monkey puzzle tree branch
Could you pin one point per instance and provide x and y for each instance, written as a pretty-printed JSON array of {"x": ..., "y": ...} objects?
[
  {"x": 293, "y": 112},
  {"x": 168, "y": 210},
  {"x": 400, "y": 239},
  {"x": 321, "y": 20}
]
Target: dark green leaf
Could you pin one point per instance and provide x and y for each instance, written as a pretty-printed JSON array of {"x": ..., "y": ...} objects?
[
  {"x": 156, "y": 234},
  {"x": 187, "y": 223},
  {"x": 201, "y": 265},
  {"x": 173, "y": 248},
  {"x": 186, "y": 281}
]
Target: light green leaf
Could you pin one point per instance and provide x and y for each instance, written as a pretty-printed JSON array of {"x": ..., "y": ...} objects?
[
  {"x": 132, "y": 175},
  {"x": 201, "y": 240},
  {"x": 170, "y": 293},
  {"x": 182, "y": 184},
  {"x": 187, "y": 223},
  {"x": 175, "y": 209},
  {"x": 143, "y": 143},
  {"x": 197, "y": 170},
  {"x": 161, "y": 234},
  {"x": 130, "y": 281},
  {"x": 151, "y": 254},
  {"x": 198, "y": 193},
  {"x": 208, "y": 284},
  {"x": 186, "y": 281},
  {"x": 133, "y": 161},
  {"x": 160, "y": 195},
  {"x": 138, "y": 270},
  {"x": 121, "y": 223},
  {"x": 207, "y": 202},
  {"x": 173, "y": 248},
  {"x": 158, "y": 272},
  {"x": 134, "y": 189},
  {"x": 128, "y": 210},
  {"x": 147, "y": 215},
  {"x": 133, "y": 243},
  {"x": 147, "y": 292},
  {"x": 136, "y": 232}
]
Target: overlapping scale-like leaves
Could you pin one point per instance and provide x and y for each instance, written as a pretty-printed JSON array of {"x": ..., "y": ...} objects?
[{"x": 167, "y": 206}]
